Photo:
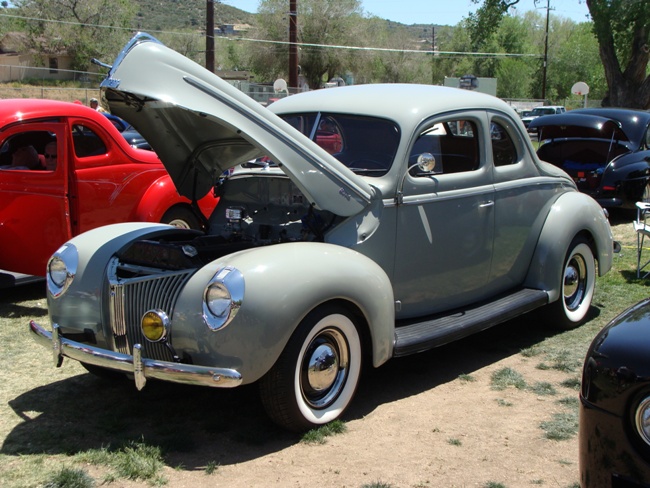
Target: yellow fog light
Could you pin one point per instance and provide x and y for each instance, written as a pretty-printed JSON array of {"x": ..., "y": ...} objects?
[{"x": 155, "y": 325}]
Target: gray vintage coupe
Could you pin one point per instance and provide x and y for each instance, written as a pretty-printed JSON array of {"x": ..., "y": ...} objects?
[{"x": 355, "y": 224}]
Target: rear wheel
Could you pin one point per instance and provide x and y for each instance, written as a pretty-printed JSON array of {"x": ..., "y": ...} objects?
[
  {"x": 315, "y": 377},
  {"x": 577, "y": 289},
  {"x": 181, "y": 217}
]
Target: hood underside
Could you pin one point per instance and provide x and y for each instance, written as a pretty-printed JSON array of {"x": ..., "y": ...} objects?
[{"x": 200, "y": 126}]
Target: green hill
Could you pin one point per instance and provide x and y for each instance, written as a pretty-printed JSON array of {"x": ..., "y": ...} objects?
[{"x": 185, "y": 14}]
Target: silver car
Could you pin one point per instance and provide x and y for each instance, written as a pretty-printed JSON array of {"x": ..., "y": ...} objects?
[{"x": 355, "y": 224}]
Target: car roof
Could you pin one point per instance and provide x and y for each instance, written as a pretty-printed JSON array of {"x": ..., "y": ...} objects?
[
  {"x": 406, "y": 104},
  {"x": 17, "y": 109}
]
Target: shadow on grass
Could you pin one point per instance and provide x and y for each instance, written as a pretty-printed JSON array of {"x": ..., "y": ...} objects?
[
  {"x": 197, "y": 426},
  {"x": 13, "y": 301}
]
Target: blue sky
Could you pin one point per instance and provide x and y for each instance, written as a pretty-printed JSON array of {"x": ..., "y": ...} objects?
[{"x": 440, "y": 12}]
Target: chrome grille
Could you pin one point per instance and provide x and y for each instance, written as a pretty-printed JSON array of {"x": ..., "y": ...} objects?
[{"x": 131, "y": 297}]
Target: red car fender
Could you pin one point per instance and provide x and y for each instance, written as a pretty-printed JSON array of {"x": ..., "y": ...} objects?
[{"x": 162, "y": 195}]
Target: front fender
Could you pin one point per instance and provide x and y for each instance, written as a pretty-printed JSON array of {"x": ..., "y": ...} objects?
[
  {"x": 572, "y": 214},
  {"x": 162, "y": 195},
  {"x": 283, "y": 283},
  {"x": 631, "y": 173},
  {"x": 80, "y": 307}
]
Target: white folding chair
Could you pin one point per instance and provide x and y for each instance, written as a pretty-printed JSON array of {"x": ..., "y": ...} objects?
[{"x": 642, "y": 230}]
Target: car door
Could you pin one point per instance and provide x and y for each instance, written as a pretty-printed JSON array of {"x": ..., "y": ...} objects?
[
  {"x": 34, "y": 207},
  {"x": 445, "y": 220},
  {"x": 522, "y": 199},
  {"x": 107, "y": 184}
]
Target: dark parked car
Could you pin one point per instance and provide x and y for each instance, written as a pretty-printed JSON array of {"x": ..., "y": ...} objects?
[
  {"x": 615, "y": 404},
  {"x": 132, "y": 136},
  {"x": 605, "y": 151}
]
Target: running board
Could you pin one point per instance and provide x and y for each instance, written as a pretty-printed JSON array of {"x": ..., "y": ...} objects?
[{"x": 413, "y": 337}]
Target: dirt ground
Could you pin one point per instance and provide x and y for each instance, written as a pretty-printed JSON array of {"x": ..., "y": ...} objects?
[
  {"x": 431, "y": 420},
  {"x": 420, "y": 427}
]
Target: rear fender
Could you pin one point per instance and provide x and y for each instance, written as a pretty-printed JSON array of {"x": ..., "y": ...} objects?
[{"x": 571, "y": 215}]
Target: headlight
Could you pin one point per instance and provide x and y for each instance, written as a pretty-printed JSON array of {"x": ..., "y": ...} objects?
[
  {"x": 61, "y": 269},
  {"x": 643, "y": 420},
  {"x": 218, "y": 299},
  {"x": 155, "y": 325},
  {"x": 222, "y": 297}
]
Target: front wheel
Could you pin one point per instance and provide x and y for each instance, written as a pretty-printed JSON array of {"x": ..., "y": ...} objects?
[
  {"x": 315, "y": 377},
  {"x": 577, "y": 290}
]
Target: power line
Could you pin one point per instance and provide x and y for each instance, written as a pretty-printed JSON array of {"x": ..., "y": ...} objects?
[{"x": 299, "y": 44}]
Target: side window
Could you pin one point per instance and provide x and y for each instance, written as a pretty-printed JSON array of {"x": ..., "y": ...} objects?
[
  {"x": 29, "y": 150},
  {"x": 453, "y": 144},
  {"x": 504, "y": 151},
  {"x": 87, "y": 142}
]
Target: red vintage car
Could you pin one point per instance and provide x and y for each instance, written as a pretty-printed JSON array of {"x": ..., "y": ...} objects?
[{"x": 96, "y": 178}]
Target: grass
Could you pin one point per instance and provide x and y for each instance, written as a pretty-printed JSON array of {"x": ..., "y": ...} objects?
[
  {"x": 211, "y": 467},
  {"x": 136, "y": 461},
  {"x": 507, "y": 377},
  {"x": 319, "y": 435},
  {"x": 70, "y": 478},
  {"x": 543, "y": 388},
  {"x": 562, "y": 426}
]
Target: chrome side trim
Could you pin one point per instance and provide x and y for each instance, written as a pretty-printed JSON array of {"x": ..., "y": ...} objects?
[{"x": 141, "y": 368}]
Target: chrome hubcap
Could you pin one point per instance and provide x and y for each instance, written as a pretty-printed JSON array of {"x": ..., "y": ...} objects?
[
  {"x": 324, "y": 368},
  {"x": 575, "y": 282},
  {"x": 180, "y": 223}
]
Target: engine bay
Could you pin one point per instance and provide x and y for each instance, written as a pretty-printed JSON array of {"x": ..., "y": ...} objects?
[{"x": 253, "y": 210}]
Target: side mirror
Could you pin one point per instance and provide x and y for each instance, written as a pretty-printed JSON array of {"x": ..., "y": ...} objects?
[{"x": 426, "y": 162}]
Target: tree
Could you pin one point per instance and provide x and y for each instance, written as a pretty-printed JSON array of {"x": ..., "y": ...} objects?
[
  {"x": 320, "y": 23},
  {"x": 82, "y": 28},
  {"x": 621, "y": 27}
]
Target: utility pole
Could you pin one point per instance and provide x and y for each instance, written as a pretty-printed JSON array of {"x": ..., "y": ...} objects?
[
  {"x": 209, "y": 35},
  {"x": 548, "y": 8},
  {"x": 293, "y": 46},
  {"x": 433, "y": 55}
]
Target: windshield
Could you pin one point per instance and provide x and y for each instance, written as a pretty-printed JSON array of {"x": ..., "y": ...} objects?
[
  {"x": 366, "y": 145},
  {"x": 543, "y": 111}
]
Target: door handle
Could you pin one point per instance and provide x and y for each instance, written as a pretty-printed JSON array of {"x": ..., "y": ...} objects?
[{"x": 489, "y": 203}]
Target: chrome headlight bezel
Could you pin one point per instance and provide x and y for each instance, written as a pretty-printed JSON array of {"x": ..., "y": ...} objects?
[
  {"x": 222, "y": 297},
  {"x": 61, "y": 269},
  {"x": 162, "y": 320},
  {"x": 642, "y": 419}
]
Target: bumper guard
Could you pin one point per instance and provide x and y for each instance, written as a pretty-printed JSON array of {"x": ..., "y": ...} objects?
[{"x": 141, "y": 368}]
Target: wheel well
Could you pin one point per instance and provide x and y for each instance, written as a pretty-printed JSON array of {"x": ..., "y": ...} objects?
[
  {"x": 176, "y": 206},
  {"x": 586, "y": 235}
]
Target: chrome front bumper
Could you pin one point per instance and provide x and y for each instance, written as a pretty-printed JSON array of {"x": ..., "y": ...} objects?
[{"x": 141, "y": 368}]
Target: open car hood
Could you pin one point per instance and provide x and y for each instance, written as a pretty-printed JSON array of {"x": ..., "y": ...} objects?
[
  {"x": 200, "y": 126},
  {"x": 583, "y": 126}
]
